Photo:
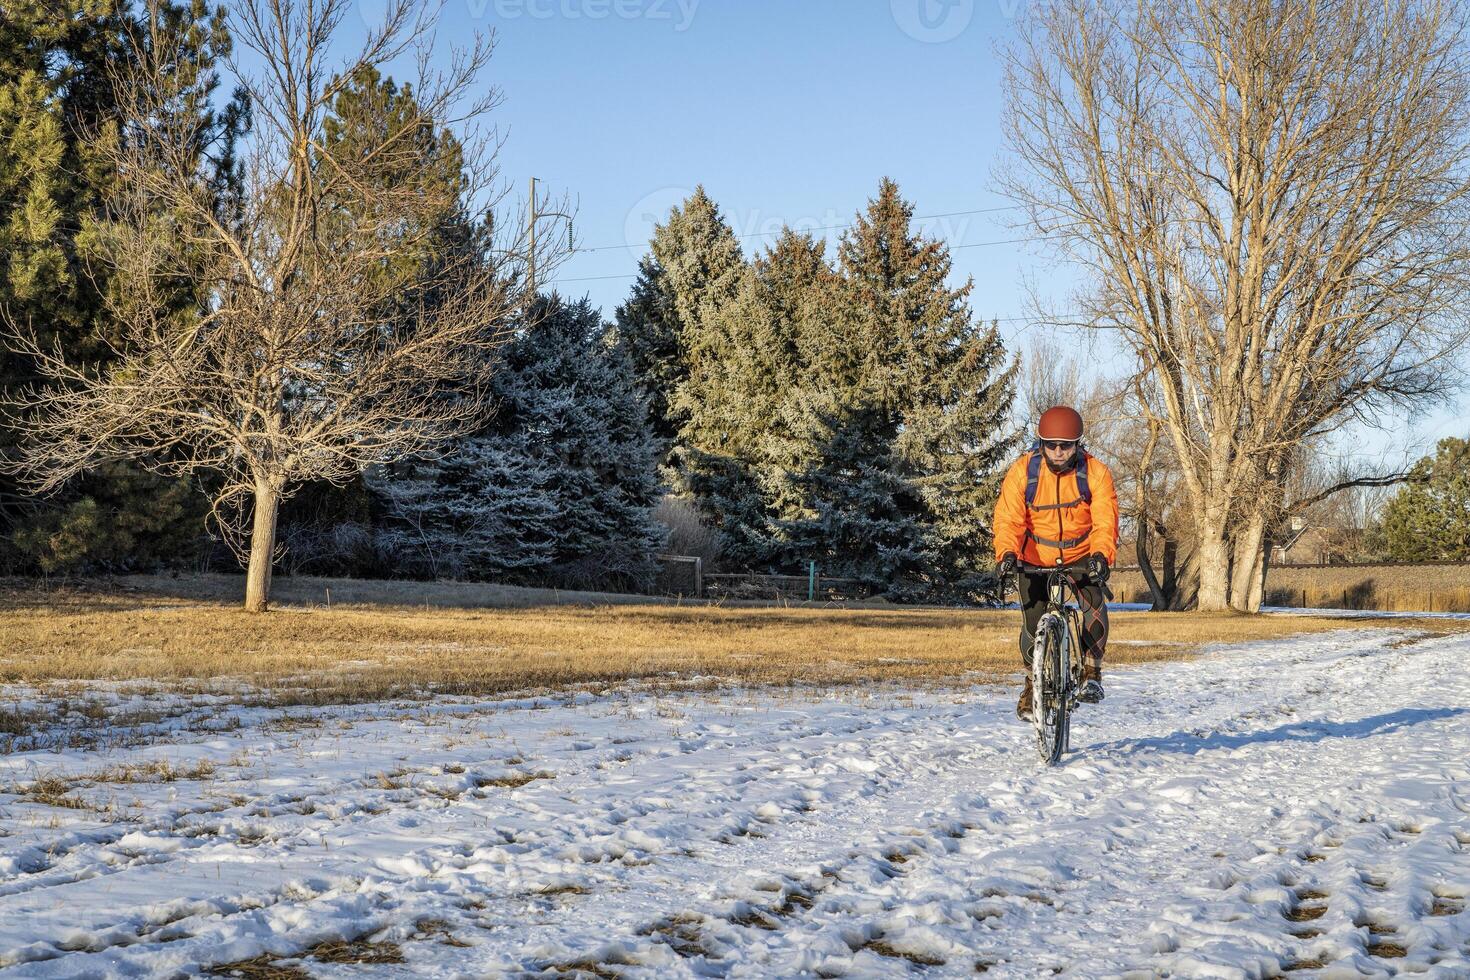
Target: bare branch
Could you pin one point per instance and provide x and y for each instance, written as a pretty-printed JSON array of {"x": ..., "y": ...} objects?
[{"x": 340, "y": 311}]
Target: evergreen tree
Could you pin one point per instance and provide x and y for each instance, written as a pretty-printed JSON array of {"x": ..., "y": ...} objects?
[
  {"x": 735, "y": 451},
  {"x": 904, "y": 421},
  {"x": 1429, "y": 518},
  {"x": 868, "y": 518},
  {"x": 559, "y": 489},
  {"x": 56, "y": 103},
  {"x": 325, "y": 528},
  {"x": 373, "y": 111},
  {"x": 648, "y": 332},
  {"x": 669, "y": 326}
]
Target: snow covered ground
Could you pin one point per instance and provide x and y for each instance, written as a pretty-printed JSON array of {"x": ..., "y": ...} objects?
[{"x": 1293, "y": 806}]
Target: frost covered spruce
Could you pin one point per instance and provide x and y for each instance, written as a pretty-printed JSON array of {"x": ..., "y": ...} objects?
[{"x": 559, "y": 487}]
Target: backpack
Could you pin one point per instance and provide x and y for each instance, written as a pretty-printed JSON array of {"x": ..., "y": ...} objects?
[{"x": 1033, "y": 476}]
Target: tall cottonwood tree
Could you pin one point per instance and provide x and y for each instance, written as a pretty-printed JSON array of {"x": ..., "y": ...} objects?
[
  {"x": 314, "y": 348},
  {"x": 1271, "y": 199}
]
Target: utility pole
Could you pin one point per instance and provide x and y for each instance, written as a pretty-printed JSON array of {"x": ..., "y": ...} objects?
[{"x": 536, "y": 214}]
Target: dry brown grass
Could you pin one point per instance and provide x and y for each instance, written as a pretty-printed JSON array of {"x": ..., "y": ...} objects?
[
  {"x": 314, "y": 655},
  {"x": 154, "y": 771},
  {"x": 1395, "y": 588},
  {"x": 50, "y": 790}
]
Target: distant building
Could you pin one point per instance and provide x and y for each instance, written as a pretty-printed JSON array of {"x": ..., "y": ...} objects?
[{"x": 1308, "y": 544}]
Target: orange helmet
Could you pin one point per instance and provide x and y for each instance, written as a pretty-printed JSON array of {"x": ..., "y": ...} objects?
[{"x": 1060, "y": 422}]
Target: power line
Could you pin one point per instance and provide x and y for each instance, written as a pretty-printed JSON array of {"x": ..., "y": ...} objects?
[
  {"x": 1007, "y": 241},
  {"x": 767, "y": 234},
  {"x": 558, "y": 282},
  {"x": 952, "y": 248}
]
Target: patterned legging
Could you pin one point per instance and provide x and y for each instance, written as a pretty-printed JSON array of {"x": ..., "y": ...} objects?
[{"x": 1094, "y": 613}]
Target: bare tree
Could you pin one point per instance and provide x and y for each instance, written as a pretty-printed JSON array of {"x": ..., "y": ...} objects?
[
  {"x": 1271, "y": 196},
  {"x": 336, "y": 324},
  {"x": 1339, "y": 495},
  {"x": 1054, "y": 375}
]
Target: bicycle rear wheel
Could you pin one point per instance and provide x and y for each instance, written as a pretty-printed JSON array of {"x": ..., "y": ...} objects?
[{"x": 1049, "y": 688}]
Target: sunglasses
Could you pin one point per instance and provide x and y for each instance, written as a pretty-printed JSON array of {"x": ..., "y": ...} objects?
[{"x": 1058, "y": 443}]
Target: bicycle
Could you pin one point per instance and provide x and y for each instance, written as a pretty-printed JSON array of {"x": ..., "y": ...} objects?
[{"x": 1056, "y": 661}]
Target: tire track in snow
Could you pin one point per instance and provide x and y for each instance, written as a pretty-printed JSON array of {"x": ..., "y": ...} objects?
[
  {"x": 936, "y": 836},
  {"x": 1029, "y": 794}
]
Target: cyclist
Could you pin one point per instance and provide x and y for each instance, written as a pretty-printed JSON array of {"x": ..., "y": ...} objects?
[{"x": 1058, "y": 507}]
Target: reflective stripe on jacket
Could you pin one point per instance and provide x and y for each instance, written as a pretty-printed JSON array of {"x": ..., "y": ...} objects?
[{"x": 1059, "y": 523}]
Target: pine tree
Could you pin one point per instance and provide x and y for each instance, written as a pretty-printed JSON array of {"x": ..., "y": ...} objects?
[
  {"x": 735, "y": 450},
  {"x": 559, "y": 489},
  {"x": 868, "y": 519},
  {"x": 669, "y": 325},
  {"x": 1429, "y": 518},
  {"x": 648, "y": 333},
  {"x": 903, "y": 421},
  {"x": 56, "y": 103},
  {"x": 372, "y": 110}
]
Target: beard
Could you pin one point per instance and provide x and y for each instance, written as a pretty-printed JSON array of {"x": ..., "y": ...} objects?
[{"x": 1069, "y": 463}]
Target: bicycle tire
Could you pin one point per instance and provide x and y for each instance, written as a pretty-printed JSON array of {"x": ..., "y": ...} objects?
[{"x": 1049, "y": 689}]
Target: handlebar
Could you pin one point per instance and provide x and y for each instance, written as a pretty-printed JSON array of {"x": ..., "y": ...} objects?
[{"x": 1067, "y": 570}]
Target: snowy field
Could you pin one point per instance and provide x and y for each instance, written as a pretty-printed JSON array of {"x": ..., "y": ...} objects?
[{"x": 1300, "y": 806}]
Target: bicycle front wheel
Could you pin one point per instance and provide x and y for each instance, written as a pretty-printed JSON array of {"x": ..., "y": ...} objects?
[{"x": 1049, "y": 689}]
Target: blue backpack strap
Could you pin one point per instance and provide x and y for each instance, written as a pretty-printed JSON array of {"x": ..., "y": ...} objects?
[{"x": 1033, "y": 475}]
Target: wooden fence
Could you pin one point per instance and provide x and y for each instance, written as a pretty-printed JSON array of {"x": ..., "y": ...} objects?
[
  {"x": 684, "y": 575},
  {"x": 1428, "y": 586}
]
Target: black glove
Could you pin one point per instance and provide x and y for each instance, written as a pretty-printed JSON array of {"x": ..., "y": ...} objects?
[
  {"x": 1007, "y": 564},
  {"x": 1097, "y": 569}
]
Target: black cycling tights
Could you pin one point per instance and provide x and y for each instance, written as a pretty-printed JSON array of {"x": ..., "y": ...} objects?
[{"x": 1094, "y": 613}]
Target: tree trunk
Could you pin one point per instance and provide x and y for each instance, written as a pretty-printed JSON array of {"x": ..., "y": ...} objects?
[
  {"x": 1265, "y": 569},
  {"x": 1140, "y": 548},
  {"x": 1246, "y": 572},
  {"x": 1170, "y": 563},
  {"x": 1213, "y": 560},
  {"x": 262, "y": 548},
  {"x": 1140, "y": 508}
]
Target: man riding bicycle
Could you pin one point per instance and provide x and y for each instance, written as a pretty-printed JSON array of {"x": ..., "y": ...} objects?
[{"x": 1058, "y": 508}]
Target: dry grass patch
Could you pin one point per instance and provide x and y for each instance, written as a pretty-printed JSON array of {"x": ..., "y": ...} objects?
[
  {"x": 514, "y": 780},
  {"x": 262, "y": 967},
  {"x": 314, "y": 655},
  {"x": 355, "y": 951},
  {"x": 1433, "y": 587},
  {"x": 918, "y": 959},
  {"x": 50, "y": 790},
  {"x": 1387, "y": 951},
  {"x": 155, "y": 771}
]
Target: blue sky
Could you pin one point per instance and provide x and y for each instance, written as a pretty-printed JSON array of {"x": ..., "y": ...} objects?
[{"x": 787, "y": 111}]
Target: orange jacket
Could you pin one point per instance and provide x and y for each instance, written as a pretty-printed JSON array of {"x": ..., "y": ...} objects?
[{"x": 1043, "y": 532}]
